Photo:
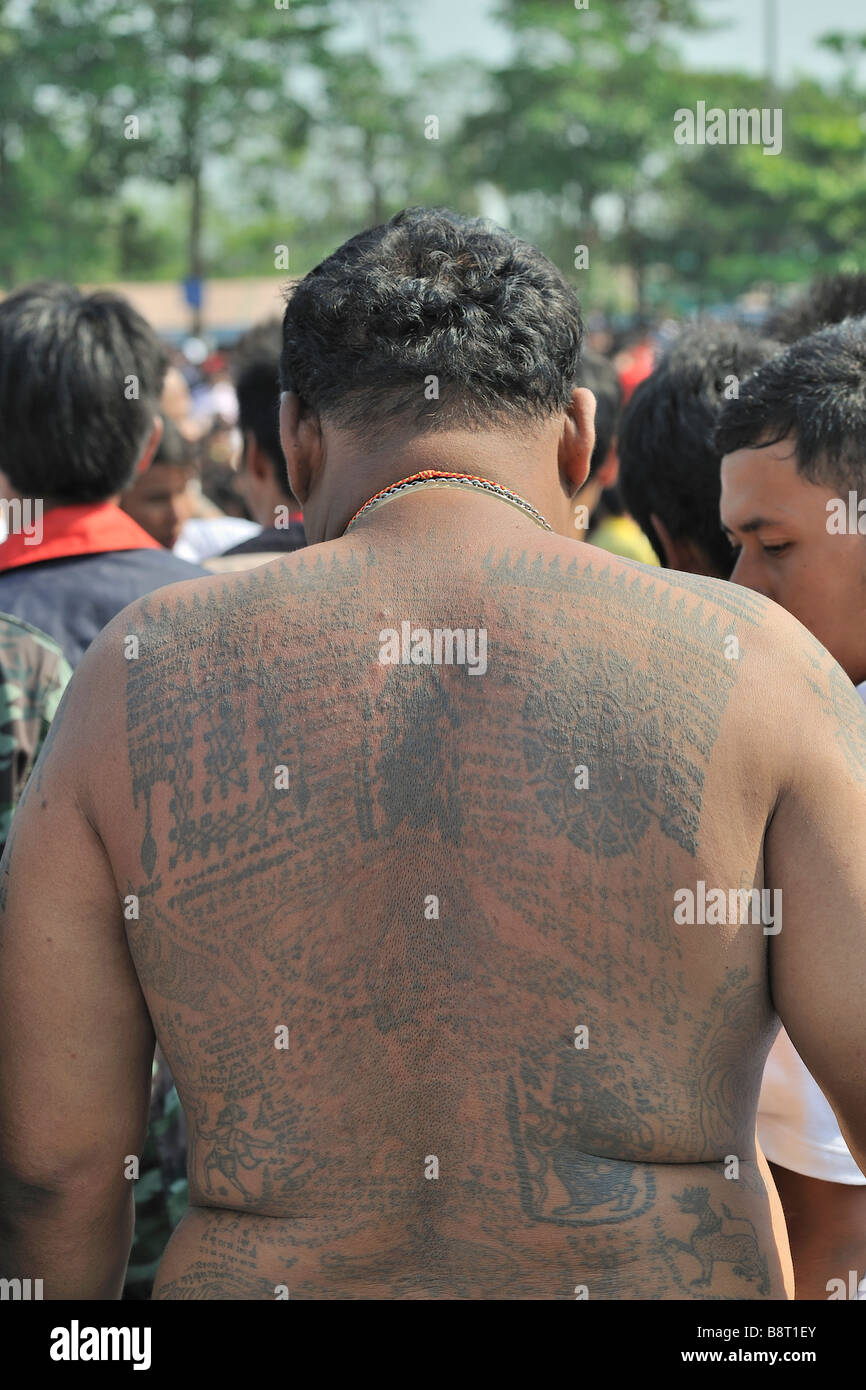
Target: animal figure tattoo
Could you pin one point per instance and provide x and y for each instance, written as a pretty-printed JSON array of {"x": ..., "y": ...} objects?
[{"x": 710, "y": 1244}]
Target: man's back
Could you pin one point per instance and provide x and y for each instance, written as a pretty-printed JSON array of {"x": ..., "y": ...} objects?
[
  {"x": 416, "y": 974},
  {"x": 452, "y": 959}
]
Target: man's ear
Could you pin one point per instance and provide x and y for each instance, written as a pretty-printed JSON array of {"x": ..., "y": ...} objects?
[
  {"x": 577, "y": 440},
  {"x": 301, "y": 438},
  {"x": 151, "y": 446}
]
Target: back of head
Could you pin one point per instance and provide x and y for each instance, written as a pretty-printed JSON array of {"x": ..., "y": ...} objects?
[
  {"x": 432, "y": 321},
  {"x": 80, "y": 379},
  {"x": 256, "y": 371},
  {"x": 815, "y": 393},
  {"x": 599, "y": 375},
  {"x": 829, "y": 299},
  {"x": 669, "y": 461}
]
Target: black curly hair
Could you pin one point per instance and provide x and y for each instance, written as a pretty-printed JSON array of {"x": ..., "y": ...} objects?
[
  {"x": 256, "y": 368},
  {"x": 815, "y": 392},
  {"x": 669, "y": 460},
  {"x": 432, "y": 294},
  {"x": 829, "y": 299}
]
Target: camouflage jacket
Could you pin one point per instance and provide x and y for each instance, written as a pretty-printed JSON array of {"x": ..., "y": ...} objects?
[
  {"x": 161, "y": 1191},
  {"x": 33, "y": 676}
]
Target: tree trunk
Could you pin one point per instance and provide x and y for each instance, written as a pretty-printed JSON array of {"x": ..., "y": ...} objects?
[
  {"x": 196, "y": 259},
  {"x": 639, "y": 270},
  {"x": 193, "y": 162},
  {"x": 7, "y": 264}
]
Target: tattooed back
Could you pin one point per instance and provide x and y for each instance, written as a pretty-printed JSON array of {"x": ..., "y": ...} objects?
[{"x": 408, "y": 931}]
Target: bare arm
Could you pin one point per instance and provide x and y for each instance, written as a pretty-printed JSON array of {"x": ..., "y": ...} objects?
[
  {"x": 816, "y": 854},
  {"x": 76, "y": 1041}
]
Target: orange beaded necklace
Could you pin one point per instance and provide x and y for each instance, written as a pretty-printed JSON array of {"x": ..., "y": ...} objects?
[{"x": 434, "y": 477}]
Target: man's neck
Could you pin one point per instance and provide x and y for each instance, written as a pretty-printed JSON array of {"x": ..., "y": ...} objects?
[
  {"x": 523, "y": 466},
  {"x": 451, "y": 519}
]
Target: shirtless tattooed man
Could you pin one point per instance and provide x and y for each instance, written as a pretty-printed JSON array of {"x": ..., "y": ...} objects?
[{"x": 384, "y": 843}]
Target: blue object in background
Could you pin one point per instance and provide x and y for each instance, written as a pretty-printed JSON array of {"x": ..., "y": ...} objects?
[{"x": 193, "y": 292}]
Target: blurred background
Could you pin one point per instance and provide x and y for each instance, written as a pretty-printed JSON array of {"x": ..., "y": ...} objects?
[{"x": 197, "y": 153}]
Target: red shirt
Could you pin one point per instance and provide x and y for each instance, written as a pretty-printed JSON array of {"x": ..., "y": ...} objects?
[{"x": 88, "y": 529}]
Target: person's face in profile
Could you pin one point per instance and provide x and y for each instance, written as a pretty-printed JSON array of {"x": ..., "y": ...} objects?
[{"x": 788, "y": 548}]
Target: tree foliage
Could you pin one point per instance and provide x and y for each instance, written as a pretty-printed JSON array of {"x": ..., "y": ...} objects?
[{"x": 154, "y": 138}]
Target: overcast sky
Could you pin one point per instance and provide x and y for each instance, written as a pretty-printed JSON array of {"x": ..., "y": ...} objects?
[{"x": 466, "y": 26}]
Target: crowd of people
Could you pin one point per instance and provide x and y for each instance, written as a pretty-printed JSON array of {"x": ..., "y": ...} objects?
[{"x": 692, "y": 474}]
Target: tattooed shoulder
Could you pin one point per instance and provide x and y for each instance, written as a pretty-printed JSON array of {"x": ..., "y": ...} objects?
[
  {"x": 846, "y": 712},
  {"x": 632, "y": 683}
]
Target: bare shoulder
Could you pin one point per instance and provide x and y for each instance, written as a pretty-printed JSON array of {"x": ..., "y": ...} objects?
[
  {"x": 739, "y": 621},
  {"x": 578, "y": 569},
  {"x": 692, "y": 654},
  {"x": 692, "y": 619},
  {"x": 835, "y": 703},
  {"x": 202, "y": 607}
]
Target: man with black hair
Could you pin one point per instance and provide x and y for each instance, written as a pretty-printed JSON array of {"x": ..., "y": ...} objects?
[
  {"x": 406, "y": 820},
  {"x": 262, "y": 479},
  {"x": 599, "y": 376},
  {"x": 794, "y": 457},
  {"x": 80, "y": 379},
  {"x": 159, "y": 499},
  {"x": 793, "y": 446},
  {"x": 829, "y": 299},
  {"x": 669, "y": 467},
  {"x": 598, "y": 503}
]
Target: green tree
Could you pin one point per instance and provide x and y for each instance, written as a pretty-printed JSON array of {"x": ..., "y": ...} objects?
[
  {"x": 388, "y": 123},
  {"x": 156, "y": 90},
  {"x": 219, "y": 75},
  {"x": 190, "y": 137},
  {"x": 579, "y": 128},
  {"x": 49, "y": 215},
  {"x": 737, "y": 217}
]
